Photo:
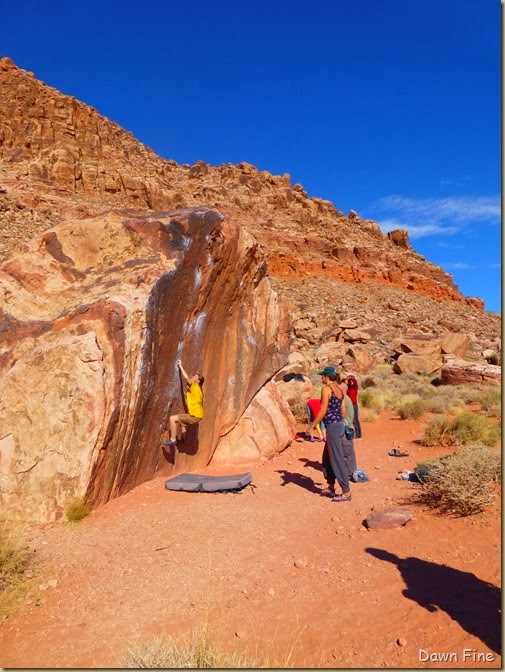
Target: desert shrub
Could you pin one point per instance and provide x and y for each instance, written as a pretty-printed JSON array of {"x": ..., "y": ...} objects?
[
  {"x": 368, "y": 414},
  {"x": 13, "y": 562},
  {"x": 438, "y": 404},
  {"x": 469, "y": 428},
  {"x": 469, "y": 395},
  {"x": 490, "y": 397},
  {"x": 412, "y": 410},
  {"x": 13, "y": 558},
  {"x": 200, "y": 650},
  {"x": 462, "y": 483},
  {"x": 464, "y": 429},
  {"x": 371, "y": 399},
  {"x": 300, "y": 412},
  {"x": 368, "y": 382},
  {"x": 434, "y": 430},
  {"x": 76, "y": 510},
  {"x": 491, "y": 403}
]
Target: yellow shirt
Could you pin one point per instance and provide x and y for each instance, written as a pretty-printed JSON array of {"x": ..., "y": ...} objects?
[{"x": 194, "y": 400}]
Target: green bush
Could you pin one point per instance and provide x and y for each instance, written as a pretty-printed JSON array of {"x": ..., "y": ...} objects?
[
  {"x": 412, "y": 410},
  {"x": 371, "y": 399},
  {"x": 464, "y": 429},
  {"x": 76, "y": 510},
  {"x": 469, "y": 428},
  {"x": 462, "y": 483}
]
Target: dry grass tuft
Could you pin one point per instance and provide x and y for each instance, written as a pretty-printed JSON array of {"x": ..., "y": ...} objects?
[
  {"x": 13, "y": 562},
  {"x": 76, "y": 510},
  {"x": 200, "y": 650}
]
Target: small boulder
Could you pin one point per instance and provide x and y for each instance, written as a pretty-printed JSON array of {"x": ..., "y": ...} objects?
[{"x": 388, "y": 519}]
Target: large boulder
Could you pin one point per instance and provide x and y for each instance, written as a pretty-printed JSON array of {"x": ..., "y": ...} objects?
[
  {"x": 461, "y": 372},
  {"x": 297, "y": 363},
  {"x": 266, "y": 426},
  {"x": 420, "y": 344},
  {"x": 419, "y": 364},
  {"x": 455, "y": 344},
  {"x": 94, "y": 316},
  {"x": 359, "y": 358}
]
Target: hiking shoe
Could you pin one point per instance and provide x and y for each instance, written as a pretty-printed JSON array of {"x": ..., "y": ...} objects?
[{"x": 342, "y": 498}]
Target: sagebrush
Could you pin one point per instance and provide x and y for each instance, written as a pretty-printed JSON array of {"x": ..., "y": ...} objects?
[
  {"x": 466, "y": 428},
  {"x": 462, "y": 483}
]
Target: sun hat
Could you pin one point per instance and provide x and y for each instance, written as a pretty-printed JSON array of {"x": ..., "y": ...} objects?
[{"x": 328, "y": 371}]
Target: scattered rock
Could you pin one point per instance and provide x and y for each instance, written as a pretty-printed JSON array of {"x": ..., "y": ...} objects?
[
  {"x": 388, "y": 519},
  {"x": 301, "y": 563},
  {"x": 401, "y": 641}
]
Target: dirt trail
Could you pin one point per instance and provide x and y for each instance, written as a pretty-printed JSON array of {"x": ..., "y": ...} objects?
[{"x": 154, "y": 562}]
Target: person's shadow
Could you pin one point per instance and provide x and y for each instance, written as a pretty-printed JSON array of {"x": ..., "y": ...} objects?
[
  {"x": 311, "y": 463},
  {"x": 298, "y": 479},
  {"x": 473, "y": 603}
]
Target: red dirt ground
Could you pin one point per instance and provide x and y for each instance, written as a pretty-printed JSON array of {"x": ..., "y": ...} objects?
[{"x": 155, "y": 562}]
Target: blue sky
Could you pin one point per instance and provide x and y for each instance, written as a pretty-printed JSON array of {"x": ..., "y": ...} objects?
[{"x": 389, "y": 108}]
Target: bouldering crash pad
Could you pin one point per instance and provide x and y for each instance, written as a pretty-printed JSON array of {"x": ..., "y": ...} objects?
[{"x": 198, "y": 483}]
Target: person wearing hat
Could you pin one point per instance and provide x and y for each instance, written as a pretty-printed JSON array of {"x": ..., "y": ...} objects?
[
  {"x": 352, "y": 392},
  {"x": 333, "y": 413}
]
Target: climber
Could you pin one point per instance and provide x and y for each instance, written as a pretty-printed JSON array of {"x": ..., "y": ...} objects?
[{"x": 194, "y": 406}]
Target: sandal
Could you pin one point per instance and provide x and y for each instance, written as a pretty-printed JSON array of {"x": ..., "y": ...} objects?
[
  {"x": 327, "y": 492},
  {"x": 397, "y": 453},
  {"x": 342, "y": 498}
]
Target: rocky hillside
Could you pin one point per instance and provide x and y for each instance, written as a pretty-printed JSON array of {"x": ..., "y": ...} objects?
[{"x": 61, "y": 159}]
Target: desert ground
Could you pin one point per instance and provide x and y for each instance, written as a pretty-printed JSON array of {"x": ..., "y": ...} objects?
[{"x": 277, "y": 571}]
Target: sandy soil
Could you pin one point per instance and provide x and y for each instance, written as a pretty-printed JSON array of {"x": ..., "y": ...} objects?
[{"x": 155, "y": 562}]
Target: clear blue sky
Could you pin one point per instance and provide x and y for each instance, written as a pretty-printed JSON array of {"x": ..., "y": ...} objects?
[{"x": 391, "y": 108}]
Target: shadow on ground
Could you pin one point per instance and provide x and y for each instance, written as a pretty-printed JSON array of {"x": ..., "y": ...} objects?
[
  {"x": 298, "y": 479},
  {"x": 471, "y": 602}
]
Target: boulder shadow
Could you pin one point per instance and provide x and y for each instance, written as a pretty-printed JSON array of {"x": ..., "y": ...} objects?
[
  {"x": 473, "y": 603},
  {"x": 302, "y": 481}
]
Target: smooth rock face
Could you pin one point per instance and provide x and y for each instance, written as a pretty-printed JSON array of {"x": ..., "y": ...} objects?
[
  {"x": 94, "y": 316},
  {"x": 267, "y": 422}
]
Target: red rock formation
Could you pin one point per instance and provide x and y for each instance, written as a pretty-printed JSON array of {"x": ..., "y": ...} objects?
[
  {"x": 53, "y": 147},
  {"x": 94, "y": 317}
]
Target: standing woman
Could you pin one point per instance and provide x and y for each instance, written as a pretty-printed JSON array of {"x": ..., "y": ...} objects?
[
  {"x": 333, "y": 413},
  {"x": 352, "y": 393}
]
